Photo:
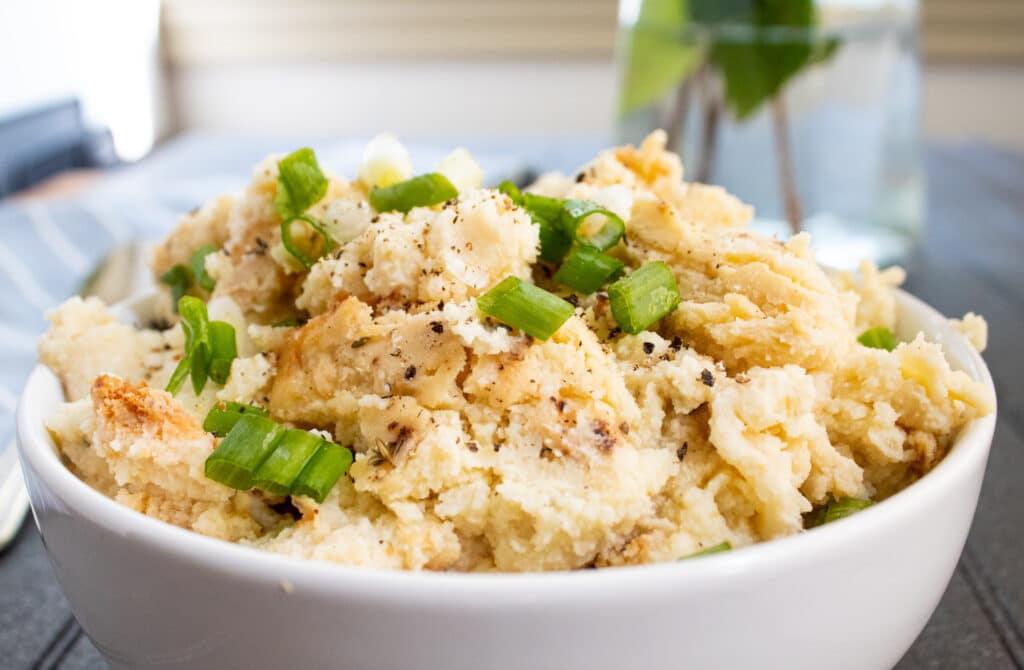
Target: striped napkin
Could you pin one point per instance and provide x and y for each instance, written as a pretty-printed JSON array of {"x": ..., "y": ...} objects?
[{"x": 48, "y": 248}]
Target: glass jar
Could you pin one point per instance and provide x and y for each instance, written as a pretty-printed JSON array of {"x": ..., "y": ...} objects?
[{"x": 809, "y": 110}]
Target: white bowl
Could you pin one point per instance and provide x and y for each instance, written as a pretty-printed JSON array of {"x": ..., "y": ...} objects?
[{"x": 853, "y": 594}]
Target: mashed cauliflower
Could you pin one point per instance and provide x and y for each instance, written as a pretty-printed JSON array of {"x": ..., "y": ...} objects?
[{"x": 479, "y": 448}]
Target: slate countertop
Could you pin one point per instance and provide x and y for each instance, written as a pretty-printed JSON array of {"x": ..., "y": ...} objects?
[{"x": 971, "y": 260}]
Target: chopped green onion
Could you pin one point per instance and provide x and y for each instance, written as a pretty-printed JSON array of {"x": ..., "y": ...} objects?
[
  {"x": 197, "y": 263},
  {"x": 878, "y": 338},
  {"x": 644, "y": 297},
  {"x": 554, "y": 243},
  {"x": 835, "y": 510},
  {"x": 323, "y": 471},
  {"x": 223, "y": 350},
  {"x": 587, "y": 269},
  {"x": 300, "y": 183},
  {"x": 291, "y": 247},
  {"x": 716, "y": 549},
  {"x": 512, "y": 191},
  {"x": 180, "y": 374},
  {"x": 575, "y": 212},
  {"x": 546, "y": 213},
  {"x": 295, "y": 449},
  {"x": 422, "y": 191},
  {"x": 225, "y": 414},
  {"x": 525, "y": 306},
  {"x": 239, "y": 455},
  {"x": 549, "y": 209},
  {"x": 179, "y": 279}
]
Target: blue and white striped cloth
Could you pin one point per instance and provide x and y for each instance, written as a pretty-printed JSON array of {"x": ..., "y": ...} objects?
[{"x": 48, "y": 248}]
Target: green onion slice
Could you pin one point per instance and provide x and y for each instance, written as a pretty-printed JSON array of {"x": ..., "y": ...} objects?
[
  {"x": 574, "y": 214},
  {"x": 225, "y": 414},
  {"x": 587, "y": 269},
  {"x": 197, "y": 263},
  {"x": 223, "y": 350},
  {"x": 239, "y": 455},
  {"x": 323, "y": 471},
  {"x": 644, "y": 297},
  {"x": 878, "y": 338},
  {"x": 293, "y": 248},
  {"x": 546, "y": 213},
  {"x": 716, "y": 549},
  {"x": 300, "y": 183},
  {"x": 512, "y": 191},
  {"x": 835, "y": 510},
  {"x": 179, "y": 279},
  {"x": 525, "y": 306},
  {"x": 422, "y": 191},
  {"x": 295, "y": 449}
]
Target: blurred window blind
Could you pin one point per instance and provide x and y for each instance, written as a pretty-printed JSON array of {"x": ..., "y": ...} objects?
[
  {"x": 973, "y": 30},
  {"x": 252, "y": 31},
  {"x": 234, "y": 31}
]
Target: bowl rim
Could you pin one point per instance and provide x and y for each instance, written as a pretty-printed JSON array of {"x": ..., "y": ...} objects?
[{"x": 968, "y": 454}]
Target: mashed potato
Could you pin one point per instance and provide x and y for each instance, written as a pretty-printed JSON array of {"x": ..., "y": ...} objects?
[{"x": 479, "y": 448}]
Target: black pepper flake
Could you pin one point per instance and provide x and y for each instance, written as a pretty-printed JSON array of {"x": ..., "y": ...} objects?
[
  {"x": 473, "y": 446},
  {"x": 677, "y": 343},
  {"x": 648, "y": 348},
  {"x": 361, "y": 342},
  {"x": 605, "y": 440},
  {"x": 707, "y": 378},
  {"x": 437, "y": 327},
  {"x": 259, "y": 249},
  {"x": 362, "y": 264},
  {"x": 410, "y": 372},
  {"x": 580, "y": 177},
  {"x": 497, "y": 447},
  {"x": 440, "y": 305},
  {"x": 547, "y": 452},
  {"x": 392, "y": 425},
  {"x": 681, "y": 451},
  {"x": 573, "y": 299},
  {"x": 624, "y": 428}
]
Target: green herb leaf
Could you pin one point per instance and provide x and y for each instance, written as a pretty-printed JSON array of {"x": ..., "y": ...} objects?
[
  {"x": 525, "y": 306},
  {"x": 657, "y": 57},
  {"x": 422, "y": 191},
  {"x": 197, "y": 263},
  {"x": 300, "y": 183},
  {"x": 179, "y": 279},
  {"x": 223, "y": 350},
  {"x": 878, "y": 338},
  {"x": 755, "y": 67}
]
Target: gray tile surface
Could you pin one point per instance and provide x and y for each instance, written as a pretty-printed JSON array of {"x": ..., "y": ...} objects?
[{"x": 972, "y": 259}]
